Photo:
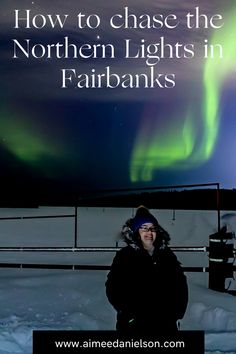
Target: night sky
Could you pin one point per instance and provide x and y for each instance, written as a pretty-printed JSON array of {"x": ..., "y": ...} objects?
[{"x": 111, "y": 138}]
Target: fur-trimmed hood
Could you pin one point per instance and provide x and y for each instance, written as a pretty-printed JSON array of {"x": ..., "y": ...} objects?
[{"x": 130, "y": 230}]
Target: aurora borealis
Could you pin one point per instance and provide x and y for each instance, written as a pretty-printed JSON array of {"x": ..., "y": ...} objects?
[
  {"x": 177, "y": 146},
  {"x": 120, "y": 138}
]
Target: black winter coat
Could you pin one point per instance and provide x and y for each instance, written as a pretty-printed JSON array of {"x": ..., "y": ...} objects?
[{"x": 149, "y": 293}]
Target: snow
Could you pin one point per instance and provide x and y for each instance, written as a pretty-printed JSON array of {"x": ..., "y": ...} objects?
[{"x": 75, "y": 299}]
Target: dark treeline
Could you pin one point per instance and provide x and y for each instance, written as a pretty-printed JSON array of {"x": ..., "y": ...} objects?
[
  {"x": 198, "y": 199},
  {"x": 16, "y": 193}
]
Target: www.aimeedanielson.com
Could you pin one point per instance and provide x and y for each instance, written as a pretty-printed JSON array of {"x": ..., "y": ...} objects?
[{"x": 131, "y": 343}]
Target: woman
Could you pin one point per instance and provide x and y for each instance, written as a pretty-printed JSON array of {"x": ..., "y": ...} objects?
[{"x": 146, "y": 284}]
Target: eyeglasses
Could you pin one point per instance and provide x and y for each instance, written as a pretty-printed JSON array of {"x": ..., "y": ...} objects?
[{"x": 146, "y": 229}]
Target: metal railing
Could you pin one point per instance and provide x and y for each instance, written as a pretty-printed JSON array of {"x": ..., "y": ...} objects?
[
  {"x": 90, "y": 249},
  {"x": 79, "y": 267},
  {"x": 75, "y": 248},
  {"x": 86, "y": 249}
]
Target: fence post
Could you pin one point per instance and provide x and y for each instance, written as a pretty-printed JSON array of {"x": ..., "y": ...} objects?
[{"x": 76, "y": 228}]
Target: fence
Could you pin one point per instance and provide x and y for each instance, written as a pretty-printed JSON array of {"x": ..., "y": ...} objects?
[{"x": 214, "y": 269}]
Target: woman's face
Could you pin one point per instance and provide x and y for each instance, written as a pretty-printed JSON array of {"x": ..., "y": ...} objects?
[{"x": 148, "y": 235}]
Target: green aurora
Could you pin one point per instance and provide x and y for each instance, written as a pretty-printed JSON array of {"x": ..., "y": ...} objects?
[{"x": 179, "y": 147}]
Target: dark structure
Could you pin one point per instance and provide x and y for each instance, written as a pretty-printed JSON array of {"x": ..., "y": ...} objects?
[{"x": 221, "y": 250}]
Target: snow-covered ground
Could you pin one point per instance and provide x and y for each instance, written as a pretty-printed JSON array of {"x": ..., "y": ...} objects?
[{"x": 71, "y": 299}]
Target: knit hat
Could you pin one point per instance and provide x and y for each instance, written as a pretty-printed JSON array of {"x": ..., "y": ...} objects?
[{"x": 143, "y": 216}]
